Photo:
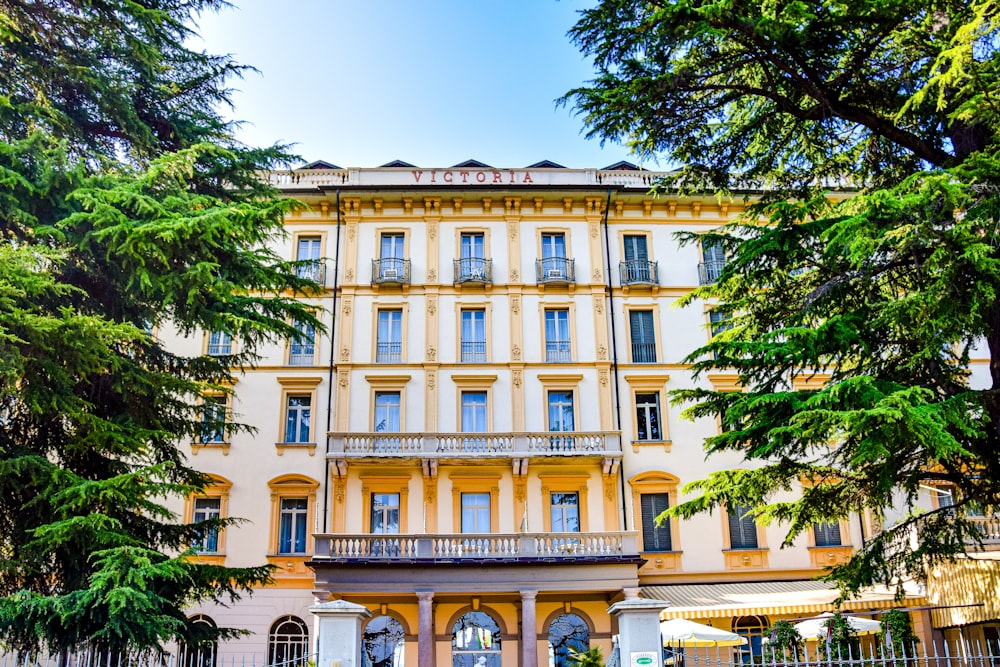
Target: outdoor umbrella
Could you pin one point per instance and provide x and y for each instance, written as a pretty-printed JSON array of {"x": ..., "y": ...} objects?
[
  {"x": 684, "y": 633},
  {"x": 813, "y": 629}
]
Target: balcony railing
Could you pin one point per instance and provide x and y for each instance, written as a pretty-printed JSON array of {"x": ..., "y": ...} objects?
[
  {"x": 314, "y": 270},
  {"x": 473, "y": 270},
  {"x": 301, "y": 358},
  {"x": 558, "y": 352},
  {"x": 639, "y": 272},
  {"x": 448, "y": 445},
  {"x": 644, "y": 353},
  {"x": 388, "y": 353},
  {"x": 474, "y": 352},
  {"x": 555, "y": 271},
  {"x": 495, "y": 546},
  {"x": 989, "y": 528},
  {"x": 709, "y": 272},
  {"x": 390, "y": 271}
]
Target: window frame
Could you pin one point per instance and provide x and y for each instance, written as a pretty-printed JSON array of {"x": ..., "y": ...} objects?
[
  {"x": 291, "y": 486},
  {"x": 372, "y": 485},
  {"x": 657, "y": 482},
  {"x": 222, "y": 402},
  {"x": 298, "y": 386},
  {"x": 561, "y": 382},
  {"x": 382, "y": 307},
  {"x": 486, "y": 483},
  {"x": 758, "y": 532},
  {"x": 207, "y": 344},
  {"x": 218, "y": 487},
  {"x": 320, "y": 261},
  {"x": 544, "y": 308},
  {"x": 290, "y": 342},
  {"x": 566, "y": 483},
  {"x": 387, "y": 383},
  {"x": 654, "y": 314},
  {"x": 649, "y": 384},
  {"x": 487, "y": 308}
]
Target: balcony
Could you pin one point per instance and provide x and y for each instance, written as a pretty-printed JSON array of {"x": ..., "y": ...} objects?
[
  {"x": 555, "y": 271},
  {"x": 558, "y": 352},
  {"x": 473, "y": 270},
  {"x": 496, "y": 546},
  {"x": 473, "y": 445},
  {"x": 473, "y": 352},
  {"x": 313, "y": 269},
  {"x": 989, "y": 529},
  {"x": 639, "y": 272},
  {"x": 643, "y": 353},
  {"x": 388, "y": 353},
  {"x": 390, "y": 271},
  {"x": 709, "y": 272}
]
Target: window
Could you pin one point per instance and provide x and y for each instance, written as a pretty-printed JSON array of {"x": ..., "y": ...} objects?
[
  {"x": 654, "y": 537},
  {"x": 472, "y": 265},
  {"x": 827, "y": 534},
  {"x": 742, "y": 528},
  {"x": 202, "y": 655},
  {"x": 475, "y": 513},
  {"x": 391, "y": 267},
  {"x": 568, "y": 634},
  {"x": 643, "y": 336},
  {"x": 713, "y": 256},
  {"x": 387, "y": 412},
  {"x": 557, "y": 341},
  {"x": 751, "y": 627},
  {"x": 647, "y": 416},
  {"x": 637, "y": 268},
  {"x": 213, "y": 420},
  {"x": 302, "y": 346},
  {"x": 298, "y": 418},
  {"x": 292, "y": 525},
  {"x": 561, "y": 415},
  {"x": 288, "y": 642},
  {"x": 392, "y": 246},
  {"x": 564, "y": 510},
  {"x": 554, "y": 267},
  {"x": 384, "y": 514},
  {"x": 553, "y": 245},
  {"x": 220, "y": 343},
  {"x": 383, "y": 643},
  {"x": 307, "y": 253},
  {"x": 473, "y": 336},
  {"x": 207, "y": 509},
  {"x": 474, "y": 413},
  {"x": 475, "y": 641},
  {"x": 389, "y": 337}
]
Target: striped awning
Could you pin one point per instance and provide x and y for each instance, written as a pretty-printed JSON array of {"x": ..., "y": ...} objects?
[{"x": 768, "y": 598}]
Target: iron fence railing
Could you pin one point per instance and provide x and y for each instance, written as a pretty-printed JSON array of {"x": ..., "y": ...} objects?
[
  {"x": 390, "y": 270},
  {"x": 639, "y": 272},
  {"x": 555, "y": 270},
  {"x": 709, "y": 272},
  {"x": 473, "y": 270}
]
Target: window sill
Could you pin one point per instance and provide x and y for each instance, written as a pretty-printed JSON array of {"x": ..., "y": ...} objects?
[
  {"x": 745, "y": 559},
  {"x": 666, "y": 444},
  {"x": 221, "y": 446},
  {"x": 209, "y": 559},
  {"x": 823, "y": 557},
  {"x": 283, "y": 446}
]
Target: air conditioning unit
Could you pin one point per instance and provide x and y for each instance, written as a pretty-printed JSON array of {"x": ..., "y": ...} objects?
[
  {"x": 555, "y": 273},
  {"x": 390, "y": 274}
]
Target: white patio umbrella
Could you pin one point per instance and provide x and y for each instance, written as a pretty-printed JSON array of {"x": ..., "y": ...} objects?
[
  {"x": 684, "y": 633},
  {"x": 814, "y": 629}
]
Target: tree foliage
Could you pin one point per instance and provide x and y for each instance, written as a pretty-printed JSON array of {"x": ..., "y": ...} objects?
[
  {"x": 866, "y": 132},
  {"x": 125, "y": 205}
]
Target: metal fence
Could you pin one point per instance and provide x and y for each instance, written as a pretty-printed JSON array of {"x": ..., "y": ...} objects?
[
  {"x": 167, "y": 659},
  {"x": 866, "y": 652}
]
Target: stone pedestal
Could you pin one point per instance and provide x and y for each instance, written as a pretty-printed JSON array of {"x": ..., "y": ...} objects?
[
  {"x": 338, "y": 633},
  {"x": 639, "y": 641}
]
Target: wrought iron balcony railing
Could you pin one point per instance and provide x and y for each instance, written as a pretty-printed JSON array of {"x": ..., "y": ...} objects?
[
  {"x": 558, "y": 352},
  {"x": 644, "y": 353},
  {"x": 639, "y": 272},
  {"x": 314, "y": 270},
  {"x": 555, "y": 271},
  {"x": 709, "y": 272},
  {"x": 473, "y": 270},
  {"x": 390, "y": 271},
  {"x": 388, "y": 353},
  {"x": 474, "y": 352}
]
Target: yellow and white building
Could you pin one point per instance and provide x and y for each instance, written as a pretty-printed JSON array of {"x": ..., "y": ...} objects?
[{"x": 477, "y": 448}]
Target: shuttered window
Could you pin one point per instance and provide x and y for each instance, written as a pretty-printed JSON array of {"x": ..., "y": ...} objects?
[
  {"x": 635, "y": 248},
  {"x": 654, "y": 538},
  {"x": 643, "y": 338},
  {"x": 742, "y": 529},
  {"x": 827, "y": 534}
]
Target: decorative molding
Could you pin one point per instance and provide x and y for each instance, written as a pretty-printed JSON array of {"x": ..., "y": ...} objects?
[
  {"x": 599, "y": 304},
  {"x": 432, "y": 305},
  {"x": 515, "y": 305},
  {"x": 431, "y": 380},
  {"x": 349, "y": 275},
  {"x": 431, "y": 353},
  {"x": 432, "y": 275},
  {"x": 345, "y": 379},
  {"x": 515, "y": 352},
  {"x": 346, "y": 307},
  {"x": 516, "y": 377},
  {"x": 345, "y": 354},
  {"x": 602, "y": 353},
  {"x": 604, "y": 377}
]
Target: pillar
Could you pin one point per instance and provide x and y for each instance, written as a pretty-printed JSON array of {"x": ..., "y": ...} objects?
[
  {"x": 639, "y": 641},
  {"x": 425, "y": 629},
  {"x": 338, "y": 633},
  {"x": 529, "y": 630}
]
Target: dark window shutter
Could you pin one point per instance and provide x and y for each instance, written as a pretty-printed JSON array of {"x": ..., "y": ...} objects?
[
  {"x": 827, "y": 534},
  {"x": 742, "y": 529},
  {"x": 654, "y": 538}
]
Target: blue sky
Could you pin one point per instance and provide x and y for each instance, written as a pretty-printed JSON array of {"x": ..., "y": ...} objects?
[{"x": 360, "y": 83}]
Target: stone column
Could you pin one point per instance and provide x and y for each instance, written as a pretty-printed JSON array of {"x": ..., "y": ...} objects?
[
  {"x": 639, "y": 641},
  {"x": 425, "y": 629},
  {"x": 529, "y": 630},
  {"x": 338, "y": 633}
]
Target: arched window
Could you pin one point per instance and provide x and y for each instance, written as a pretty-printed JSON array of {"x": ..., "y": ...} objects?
[
  {"x": 200, "y": 654},
  {"x": 383, "y": 643},
  {"x": 288, "y": 643},
  {"x": 475, "y": 641},
  {"x": 567, "y": 633},
  {"x": 751, "y": 627}
]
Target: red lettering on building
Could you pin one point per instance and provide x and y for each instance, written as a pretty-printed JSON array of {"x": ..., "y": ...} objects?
[
  {"x": 527, "y": 178},
  {"x": 447, "y": 177},
  {"x": 434, "y": 177},
  {"x": 481, "y": 176},
  {"x": 512, "y": 176},
  {"x": 496, "y": 177},
  {"x": 417, "y": 175},
  {"x": 464, "y": 175}
]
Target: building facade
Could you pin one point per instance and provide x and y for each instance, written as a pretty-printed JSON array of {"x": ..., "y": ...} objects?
[{"x": 477, "y": 447}]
